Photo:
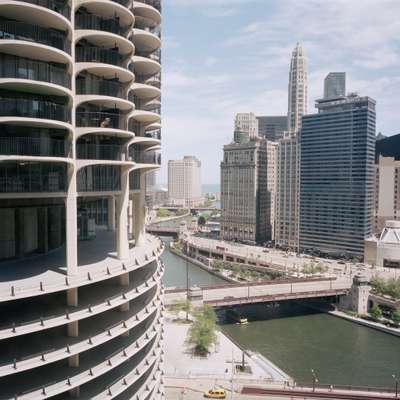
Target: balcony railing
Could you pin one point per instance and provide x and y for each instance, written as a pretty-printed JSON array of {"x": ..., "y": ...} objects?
[
  {"x": 50, "y": 182},
  {"x": 98, "y": 119},
  {"x": 149, "y": 79},
  {"x": 33, "y": 109},
  {"x": 148, "y": 157},
  {"x": 28, "y": 146},
  {"x": 91, "y": 151},
  {"x": 91, "y": 84},
  {"x": 99, "y": 178},
  {"x": 58, "y": 6},
  {"x": 33, "y": 33},
  {"x": 97, "y": 54},
  {"x": 156, "y": 134},
  {"x": 90, "y": 21},
  {"x": 24, "y": 68}
]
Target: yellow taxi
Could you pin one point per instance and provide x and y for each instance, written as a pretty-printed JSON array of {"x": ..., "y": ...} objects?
[{"x": 215, "y": 394}]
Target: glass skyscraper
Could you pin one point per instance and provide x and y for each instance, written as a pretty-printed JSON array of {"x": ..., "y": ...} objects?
[
  {"x": 335, "y": 85},
  {"x": 337, "y": 148}
]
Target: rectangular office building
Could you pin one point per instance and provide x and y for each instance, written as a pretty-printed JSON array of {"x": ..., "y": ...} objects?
[{"x": 337, "y": 149}]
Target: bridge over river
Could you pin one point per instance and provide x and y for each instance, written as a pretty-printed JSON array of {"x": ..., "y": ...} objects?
[{"x": 260, "y": 292}]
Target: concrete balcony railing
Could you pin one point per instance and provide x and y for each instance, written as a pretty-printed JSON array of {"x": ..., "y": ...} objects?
[
  {"x": 59, "y": 6},
  {"x": 24, "y": 68},
  {"x": 16, "y": 30},
  {"x": 116, "y": 360},
  {"x": 85, "y": 310},
  {"x": 98, "y": 272}
]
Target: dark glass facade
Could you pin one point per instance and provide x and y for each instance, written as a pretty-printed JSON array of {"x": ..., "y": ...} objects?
[{"x": 337, "y": 149}]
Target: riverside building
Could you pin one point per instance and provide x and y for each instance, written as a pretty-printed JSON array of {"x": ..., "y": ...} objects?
[
  {"x": 247, "y": 123},
  {"x": 387, "y": 181},
  {"x": 80, "y": 288},
  {"x": 287, "y": 178},
  {"x": 184, "y": 182},
  {"x": 245, "y": 211},
  {"x": 337, "y": 148}
]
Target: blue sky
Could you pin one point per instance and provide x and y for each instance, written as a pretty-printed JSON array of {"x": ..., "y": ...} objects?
[{"x": 226, "y": 56}]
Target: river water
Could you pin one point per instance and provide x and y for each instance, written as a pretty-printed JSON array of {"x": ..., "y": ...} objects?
[{"x": 298, "y": 339}]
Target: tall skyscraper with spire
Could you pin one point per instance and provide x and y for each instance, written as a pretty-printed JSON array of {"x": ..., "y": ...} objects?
[
  {"x": 287, "y": 171},
  {"x": 298, "y": 89}
]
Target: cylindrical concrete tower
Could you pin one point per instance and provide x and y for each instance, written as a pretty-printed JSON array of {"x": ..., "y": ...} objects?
[{"x": 80, "y": 280}]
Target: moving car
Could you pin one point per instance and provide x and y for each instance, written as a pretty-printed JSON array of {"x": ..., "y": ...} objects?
[{"x": 215, "y": 394}]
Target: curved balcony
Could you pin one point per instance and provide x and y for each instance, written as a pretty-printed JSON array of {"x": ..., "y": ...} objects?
[
  {"x": 95, "y": 22},
  {"x": 30, "y": 146},
  {"x": 59, "y": 6},
  {"x": 94, "y": 299},
  {"x": 99, "y": 119},
  {"x": 32, "y": 177},
  {"x": 152, "y": 80},
  {"x": 17, "y": 30},
  {"x": 149, "y": 9},
  {"x": 145, "y": 40},
  {"x": 91, "y": 84},
  {"x": 89, "y": 151},
  {"x": 99, "y": 55},
  {"x": 33, "y": 108},
  {"x": 25, "y": 68}
]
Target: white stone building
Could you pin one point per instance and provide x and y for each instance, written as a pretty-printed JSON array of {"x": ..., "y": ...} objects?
[
  {"x": 287, "y": 180},
  {"x": 184, "y": 182},
  {"x": 247, "y": 123}
]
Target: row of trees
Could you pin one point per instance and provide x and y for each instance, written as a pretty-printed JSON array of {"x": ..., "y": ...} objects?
[
  {"x": 239, "y": 271},
  {"x": 202, "y": 334},
  {"x": 390, "y": 287},
  {"x": 312, "y": 268}
]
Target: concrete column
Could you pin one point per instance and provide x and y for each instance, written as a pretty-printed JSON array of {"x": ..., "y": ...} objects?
[
  {"x": 43, "y": 230},
  {"x": 122, "y": 217},
  {"x": 124, "y": 279},
  {"x": 139, "y": 213},
  {"x": 73, "y": 329},
  {"x": 71, "y": 224},
  {"x": 111, "y": 213},
  {"x": 75, "y": 392},
  {"x": 131, "y": 221},
  {"x": 73, "y": 361},
  {"x": 19, "y": 232},
  {"x": 72, "y": 297}
]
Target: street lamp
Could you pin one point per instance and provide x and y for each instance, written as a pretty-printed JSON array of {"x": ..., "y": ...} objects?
[
  {"x": 315, "y": 380},
  {"x": 396, "y": 384}
]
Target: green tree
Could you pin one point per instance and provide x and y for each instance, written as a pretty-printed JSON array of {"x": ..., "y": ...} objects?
[
  {"x": 396, "y": 317},
  {"x": 163, "y": 212},
  {"x": 376, "y": 312},
  {"x": 202, "y": 333},
  {"x": 182, "y": 305}
]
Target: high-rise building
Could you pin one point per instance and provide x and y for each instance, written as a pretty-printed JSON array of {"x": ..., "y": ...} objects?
[
  {"x": 287, "y": 196},
  {"x": 298, "y": 89},
  {"x": 244, "y": 191},
  {"x": 337, "y": 148},
  {"x": 387, "y": 181},
  {"x": 246, "y": 123},
  {"x": 184, "y": 182},
  {"x": 335, "y": 85},
  {"x": 272, "y": 153},
  {"x": 287, "y": 180},
  {"x": 272, "y": 127},
  {"x": 79, "y": 129}
]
